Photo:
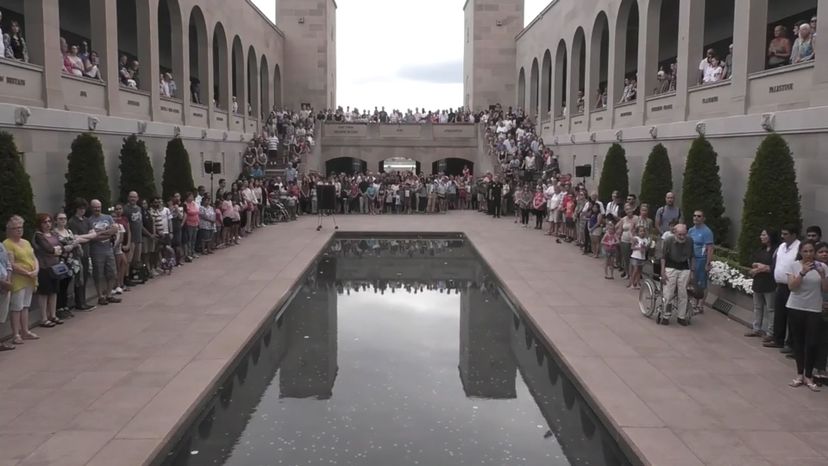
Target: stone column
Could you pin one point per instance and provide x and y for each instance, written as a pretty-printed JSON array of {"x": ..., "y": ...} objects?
[
  {"x": 573, "y": 82},
  {"x": 147, "y": 20},
  {"x": 648, "y": 39},
  {"x": 749, "y": 47},
  {"x": 690, "y": 44},
  {"x": 103, "y": 17},
  {"x": 207, "y": 81},
  {"x": 615, "y": 71},
  {"x": 183, "y": 55},
  {"x": 43, "y": 36},
  {"x": 821, "y": 65},
  {"x": 589, "y": 72}
]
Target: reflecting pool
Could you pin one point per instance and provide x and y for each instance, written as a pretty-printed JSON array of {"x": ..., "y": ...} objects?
[{"x": 396, "y": 351}]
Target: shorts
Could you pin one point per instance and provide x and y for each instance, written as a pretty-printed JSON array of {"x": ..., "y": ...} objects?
[
  {"x": 103, "y": 267},
  {"x": 21, "y": 299},
  {"x": 5, "y": 299},
  {"x": 555, "y": 216},
  {"x": 609, "y": 251},
  {"x": 636, "y": 262},
  {"x": 700, "y": 277}
]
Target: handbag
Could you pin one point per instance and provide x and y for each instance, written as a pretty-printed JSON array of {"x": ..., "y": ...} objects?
[{"x": 60, "y": 271}]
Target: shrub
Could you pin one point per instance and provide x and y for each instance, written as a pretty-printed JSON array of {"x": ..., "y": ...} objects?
[
  {"x": 178, "y": 175},
  {"x": 614, "y": 174},
  {"x": 702, "y": 187},
  {"x": 17, "y": 198},
  {"x": 772, "y": 197},
  {"x": 657, "y": 179},
  {"x": 86, "y": 174},
  {"x": 136, "y": 170}
]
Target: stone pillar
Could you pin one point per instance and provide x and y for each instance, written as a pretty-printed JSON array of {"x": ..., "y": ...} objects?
[
  {"x": 207, "y": 83},
  {"x": 589, "y": 71},
  {"x": 43, "y": 36},
  {"x": 749, "y": 47},
  {"x": 181, "y": 62},
  {"x": 820, "y": 66},
  {"x": 104, "y": 21},
  {"x": 690, "y": 44},
  {"x": 147, "y": 19},
  {"x": 648, "y": 39},
  {"x": 615, "y": 73}
]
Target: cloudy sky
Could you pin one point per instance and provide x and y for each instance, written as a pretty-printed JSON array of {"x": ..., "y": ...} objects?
[{"x": 399, "y": 53}]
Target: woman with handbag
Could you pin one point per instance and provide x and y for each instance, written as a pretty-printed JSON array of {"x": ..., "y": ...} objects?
[
  {"x": 73, "y": 254},
  {"x": 52, "y": 270}
]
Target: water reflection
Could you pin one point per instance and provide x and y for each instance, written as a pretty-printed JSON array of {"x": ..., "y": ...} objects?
[{"x": 397, "y": 352}]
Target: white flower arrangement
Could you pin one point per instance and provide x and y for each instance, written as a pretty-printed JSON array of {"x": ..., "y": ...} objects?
[{"x": 722, "y": 274}]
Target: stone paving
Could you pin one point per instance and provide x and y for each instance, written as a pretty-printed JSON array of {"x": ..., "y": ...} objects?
[{"x": 110, "y": 387}]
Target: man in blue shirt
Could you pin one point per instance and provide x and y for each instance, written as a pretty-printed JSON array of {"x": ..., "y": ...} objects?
[{"x": 703, "y": 253}]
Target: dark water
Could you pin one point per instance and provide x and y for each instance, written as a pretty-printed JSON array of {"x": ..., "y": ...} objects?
[{"x": 397, "y": 352}]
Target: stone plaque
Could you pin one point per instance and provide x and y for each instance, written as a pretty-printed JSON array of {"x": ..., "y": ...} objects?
[
  {"x": 400, "y": 131},
  {"x": 336, "y": 130}
]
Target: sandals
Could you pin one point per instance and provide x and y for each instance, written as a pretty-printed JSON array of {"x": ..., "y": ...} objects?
[
  {"x": 31, "y": 336},
  {"x": 47, "y": 324},
  {"x": 795, "y": 383},
  {"x": 56, "y": 320},
  {"x": 5, "y": 347}
]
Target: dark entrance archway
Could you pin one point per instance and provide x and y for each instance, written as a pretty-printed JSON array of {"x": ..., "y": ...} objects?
[
  {"x": 348, "y": 165},
  {"x": 451, "y": 166}
]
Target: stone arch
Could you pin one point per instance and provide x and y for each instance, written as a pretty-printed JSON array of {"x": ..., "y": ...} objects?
[
  {"x": 129, "y": 38},
  {"x": 533, "y": 90},
  {"x": 598, "y": 60},
  {"x": 546, "y": 85},
  {"x": 170, "y": 44},
  {"x": 200, "y": 81},
  {"x": 264, "y": 87},
  {"x": 221, "y": 78},
  {"x": 452, "y": 166},
  {"x": 238, "y": 87},
  {"x": 521, "y": 97},
  {"x": 662, "y": 29},
  {"x": 252, "y": 83},
  {"x": 559, "y": 93},
  {"x": 277, "y": 86},
  {"x": 577, "y": 72},
  {"x": 626, "y": 45},
  {"x": 349, "y": 165}
]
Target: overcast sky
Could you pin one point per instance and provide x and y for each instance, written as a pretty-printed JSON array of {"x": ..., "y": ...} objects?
[{"x": 399, "y": 53}]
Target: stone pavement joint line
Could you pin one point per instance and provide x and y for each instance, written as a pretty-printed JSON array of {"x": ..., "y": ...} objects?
[{"x": 110, "y": 387}]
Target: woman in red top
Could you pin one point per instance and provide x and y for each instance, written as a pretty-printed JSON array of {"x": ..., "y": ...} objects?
[
  {"x": 539, "y": 206},
  {"x": 190, "y": 226},
  {"x": 569, "y": 215}
]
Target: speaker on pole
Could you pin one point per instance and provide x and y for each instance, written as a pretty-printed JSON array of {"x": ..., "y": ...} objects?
[{"x": 583, "y": 171}]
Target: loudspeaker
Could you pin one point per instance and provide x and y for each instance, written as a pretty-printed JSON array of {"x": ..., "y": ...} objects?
[
  {"x": 213, "y": 168},
  {"x": 326, "y": 197},
  {"x": 583, "y": 171}
]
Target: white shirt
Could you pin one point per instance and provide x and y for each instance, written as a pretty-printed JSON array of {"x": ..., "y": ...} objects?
[
  {"x": 712, "y": 75},
  {"x": 785, "y": 257},
  {"x": 554, "y": 198},
  {"x": 612, "y": 209},
  {"x": 704, "y": 65}
]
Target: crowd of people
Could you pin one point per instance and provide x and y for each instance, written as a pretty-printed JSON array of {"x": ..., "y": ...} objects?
[
  {"x": 791, "y": 48},
  {"x": 79, "y": 61},
  {"x": 13, "y": 46},
  {"x": 132, "y": 243},
  {"x": 790, "y": 277},
  {"x": 395, "y": 116}
]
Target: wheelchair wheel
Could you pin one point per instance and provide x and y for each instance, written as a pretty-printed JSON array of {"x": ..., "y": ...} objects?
[{"x": 647, "y": 298}]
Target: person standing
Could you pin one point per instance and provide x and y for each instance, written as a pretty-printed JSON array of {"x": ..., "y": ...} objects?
[
  {"x": 702, "y": 237},
  {"x": 23, "y": 280},
  {"x": 497, "y": 193},
  {"x": 104, "y": 269},
  {"x": 763, "y": 285},
  {"x": 783, "y": 260},
  {"x": 133, "y": 214},
  {"x": 5, "y": 289},
  {"x": 677, "y": 263},
  {"x": 79, "y": 226},
  {"x": 807, "y": 280},
  {"x": 667, "y": 213}
]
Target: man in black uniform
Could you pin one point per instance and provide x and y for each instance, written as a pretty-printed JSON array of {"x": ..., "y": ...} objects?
[{"x": 496, "y": 188}]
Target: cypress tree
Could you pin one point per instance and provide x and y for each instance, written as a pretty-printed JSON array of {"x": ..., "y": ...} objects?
[
  {"x": 614, "y": 174},
  {"x": 702, "y": 188},
  {"x": 17, "y": 198},
  {"x": 772, "y": 197},
  {"x": 86, "y": 175},
  {"x": 136, "y": 170},
  {"x": 657, "y": 179},
  {"x": 178, "y": 175}
]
